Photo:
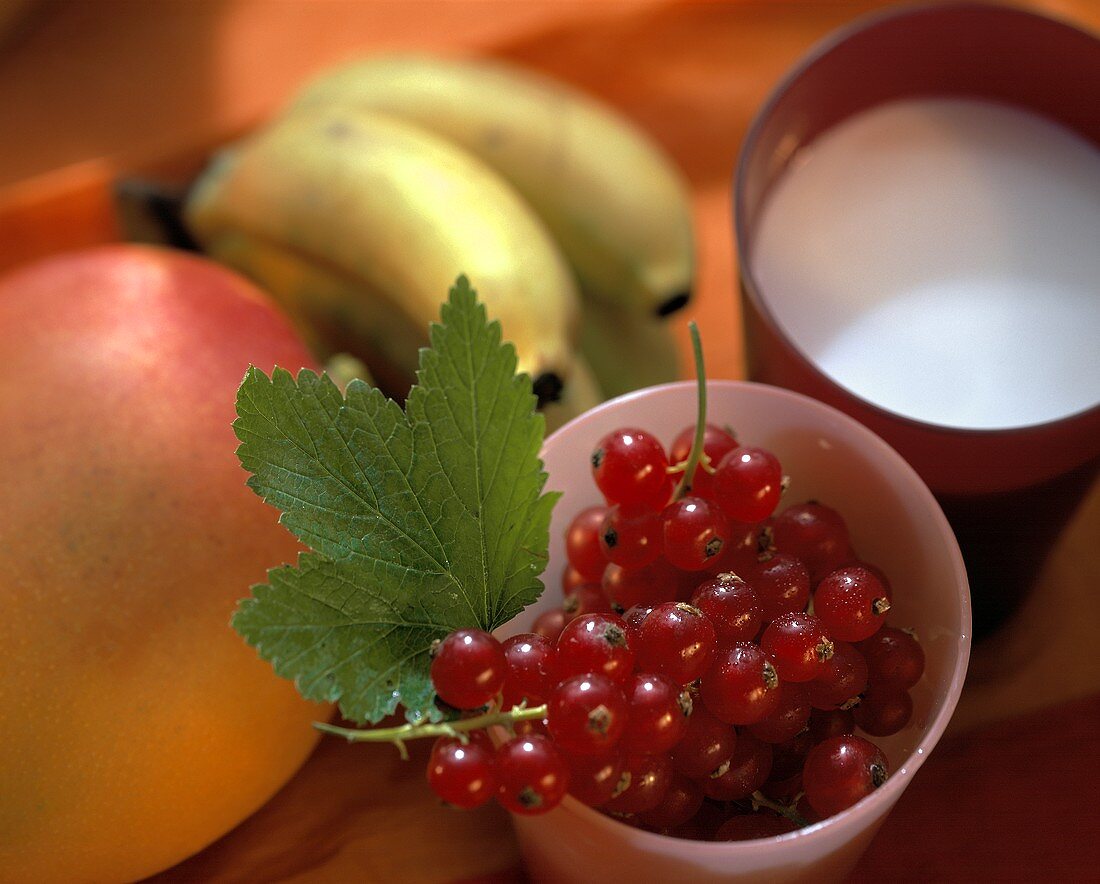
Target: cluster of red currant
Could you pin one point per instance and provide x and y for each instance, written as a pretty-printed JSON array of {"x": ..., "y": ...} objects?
[{"x": 711, "y": 657}]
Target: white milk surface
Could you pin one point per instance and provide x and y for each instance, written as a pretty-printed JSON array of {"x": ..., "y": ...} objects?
[{"x": 941, "y": 258}]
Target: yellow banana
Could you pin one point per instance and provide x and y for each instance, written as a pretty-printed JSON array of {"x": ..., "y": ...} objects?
[
  {"x": 358, "y": 223},
  {"x": 582, "y": 394},
  {"x": 627, "y": 351},
  {"x": 614, "y": 202}
]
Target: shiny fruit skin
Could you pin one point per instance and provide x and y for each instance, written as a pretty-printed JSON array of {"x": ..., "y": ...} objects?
[{"x": 127, "y": 704}]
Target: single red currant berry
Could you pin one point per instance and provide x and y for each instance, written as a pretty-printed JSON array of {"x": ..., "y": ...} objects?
[
  {"x": 781, "y": 583},
  {"x": 840, "y": 771},
  {"x": 462, "y": 774},
  {"x": 649, "y": 585},
  {"x": 585, "y": 599},
  {"x": 717, "y": 442},
  {"x": 645, "y": 780},
  {"x": 841, "y": 680},
  {"x": 468, "y": 668},
  {"x": 597, "y": 644},
  {"x": 532, "y": 774},
  {"x": 744, "y": 773},
  {"x": 742, "y": 687},
  {"x": 582, "y": 542},
  {"x": 852, "y": 603},
  {"x": 730, "y": 604},
  {"x": 747, "y": 484},
  {"x": 633, "y": 619},
  {"x": 895, "y": 660},
  {"x": 530, "y": 661},
  {"x": 826, "y": 723},
  {"x": 631, "y": 538},
  {"x": 550, "y": 623},
  {"x": 658, "y": 717},
  {"x": 571, "y": 578},
  {"x": 682, "y": 801},
  {"x": 630, "y": 467},
  {"x": 789, "y": 719},
  {"x": 815, "y": 534},
  {"x": 797, "y": 646},
  {"x": 706, "y": 745},
  {"x": 884, "y": 714},
  {"x": 695, "y": 532},
  {"x": 593, "y": 779},
  {"x": 587, "y": 715},
  {"x": 676, "y": 640},
  {"x": 789, "y": 756}
]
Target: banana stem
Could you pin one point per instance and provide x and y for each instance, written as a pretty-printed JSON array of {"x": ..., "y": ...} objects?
[
  {"x": 684, "y": 485},
  {"x": 399, "y": 735}
]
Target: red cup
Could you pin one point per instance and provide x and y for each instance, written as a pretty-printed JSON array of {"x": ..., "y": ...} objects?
[{"x": 1007, "y": 493}]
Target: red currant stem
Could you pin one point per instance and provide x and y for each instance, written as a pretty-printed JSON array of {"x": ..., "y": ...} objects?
[
  {"x": 784, "y": 810},
  {"x": 684, "y": 485},
  {"x": 398, "y": 735}
]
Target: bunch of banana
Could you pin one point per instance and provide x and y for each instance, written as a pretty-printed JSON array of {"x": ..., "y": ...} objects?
[{"x": 384, "y": 180}]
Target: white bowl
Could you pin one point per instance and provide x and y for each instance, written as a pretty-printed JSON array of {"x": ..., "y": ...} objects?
[{"x": 895, "y": 523}]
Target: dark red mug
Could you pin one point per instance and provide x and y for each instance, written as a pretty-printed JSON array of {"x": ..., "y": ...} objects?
[{"x": 1008, "y": 493}]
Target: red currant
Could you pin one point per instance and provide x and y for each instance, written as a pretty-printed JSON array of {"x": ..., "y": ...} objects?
[
  {"x": 549, "y": 624},
  {"x": 530, "y": 661},
  {"x": 676, "y": 640},
  {"x": 585, "y": 599},
  {"x": 631, "y": 538},
  {"x": 883, "y": 714},
  {"x": 841, "y": 680},
  {"x": 626, "y": 587},
  {"x": 852, "y": 603},
  {"x": 814, "y": 533},
  {"x": 695, "y": 532},
  {"x": 781, "y": 583},
  {"x": 631, "y": 467},
  {"x": 532, "y": 774},
  {"x": 593, "y": 779},
  {"x": 582, "y": 542},
  {"x": 797, "y": 646},
  {"x": 789, "y": 719},
  {"x": 826, "y": 723},
  {"x": 587, "y": 715},
  {"x": 716, "y": 443},
  {"x": 706, "y": 745},
  {"x": 742, "y": 687},
  {"x": 462, "y": 774},
  {"x": 731, "y": 606},
  {"x": 468, "y": 669},
  {"x": 895, "y": 660},
  {"x": 747, "y": 484},
  {"x": 597, "y": 644},
  {"x": 571, "y": 578},
  {"x": 681, "y": 802},
  {"x": 658, "y": 716},
  {"x": 747, "y": 770},
  {"x": 645, "y": 780},
  {"x": 840, "y": 771}
]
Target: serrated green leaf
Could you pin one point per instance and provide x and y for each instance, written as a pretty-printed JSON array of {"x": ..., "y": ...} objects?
[{"x": 422, "y": 521}]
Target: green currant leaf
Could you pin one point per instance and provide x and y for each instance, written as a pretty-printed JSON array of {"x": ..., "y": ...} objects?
[{"x": 420, "y": 521}]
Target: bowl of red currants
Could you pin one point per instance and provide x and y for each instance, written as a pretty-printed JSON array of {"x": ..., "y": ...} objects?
[{"x": 748, "y": 644}]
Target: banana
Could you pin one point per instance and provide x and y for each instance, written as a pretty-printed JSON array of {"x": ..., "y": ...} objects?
[
  {"x": 616, "y": 205},
  {"x": 358, "y": 223},
  {"x": 627, "y": 351},
  {"x": 582, "y": 394}
]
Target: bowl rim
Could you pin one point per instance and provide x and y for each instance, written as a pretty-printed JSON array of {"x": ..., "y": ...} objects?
[{"x": 882, "y": 799}]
